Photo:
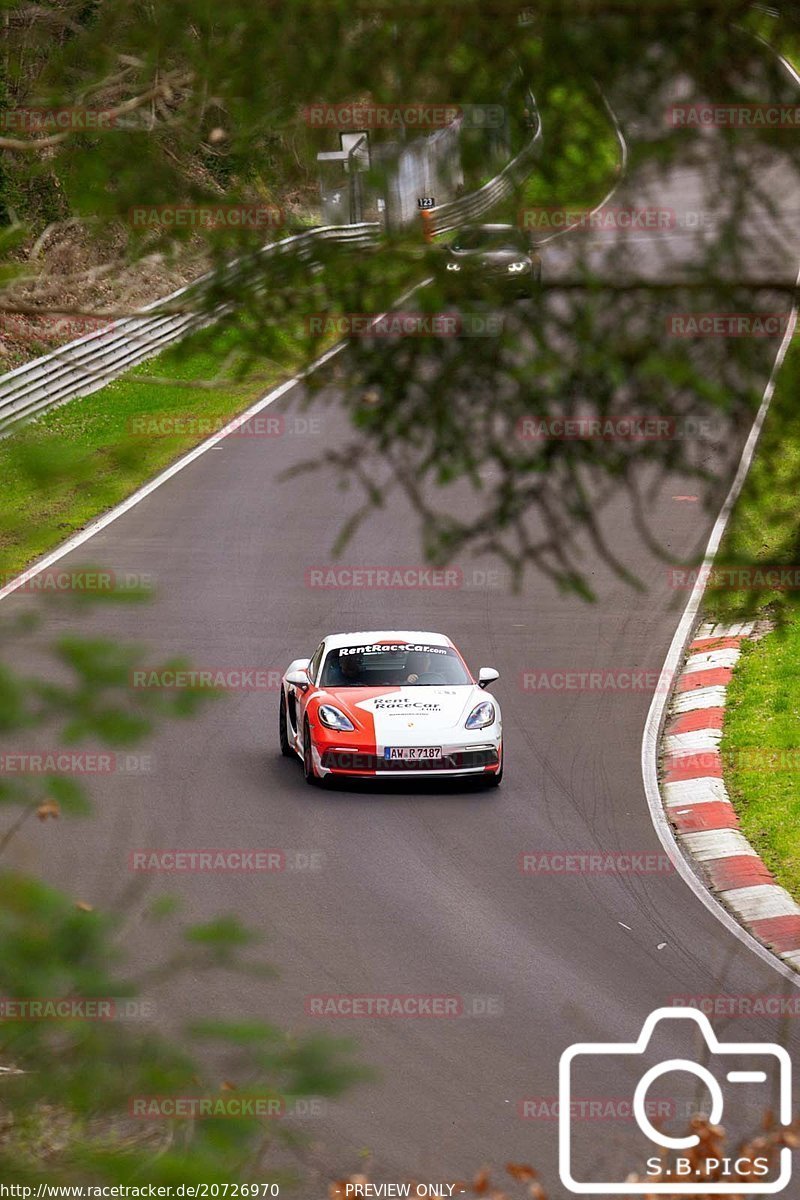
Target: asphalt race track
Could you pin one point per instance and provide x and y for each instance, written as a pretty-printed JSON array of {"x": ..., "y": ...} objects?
[{"x": 417, "y": 891}]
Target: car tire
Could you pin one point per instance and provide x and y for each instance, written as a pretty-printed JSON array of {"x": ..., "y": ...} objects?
[
  {"x": 309, "y": 772},
  {"x": 283, "y": 731},
  {"x": 496, "y": 779}
]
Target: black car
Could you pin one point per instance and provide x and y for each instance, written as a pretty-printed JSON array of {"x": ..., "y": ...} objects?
[{"x": 497, "y": 253}]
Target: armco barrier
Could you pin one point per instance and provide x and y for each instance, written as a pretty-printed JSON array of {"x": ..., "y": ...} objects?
[{"x": 90, "y": 362}]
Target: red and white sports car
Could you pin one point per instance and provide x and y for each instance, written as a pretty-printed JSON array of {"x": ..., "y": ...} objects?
[{"x": 390, "y": 703}]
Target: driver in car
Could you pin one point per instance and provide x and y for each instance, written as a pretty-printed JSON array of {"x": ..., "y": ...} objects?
[
  {"x": 346, "y": 671},
  {"x": 422, "y": 670}
]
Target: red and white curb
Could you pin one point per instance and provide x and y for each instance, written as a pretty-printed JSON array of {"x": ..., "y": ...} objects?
[{"x": 697, "y": 801}]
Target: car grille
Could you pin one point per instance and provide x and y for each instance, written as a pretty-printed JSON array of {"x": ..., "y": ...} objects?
[{"x": 461, "y": 760}]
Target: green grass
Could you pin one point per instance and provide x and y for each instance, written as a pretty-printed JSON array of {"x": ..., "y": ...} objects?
[
  {"x": 76, "y": 462},
  {"x": 762, "y": 719},
  {"x": 79, "y": 460},
  {"x": 582, "y": 155},
  {"x": 765, "y": 528},
  {"x": 763, "y": 713},
  {"x": 580, "y": 159}
]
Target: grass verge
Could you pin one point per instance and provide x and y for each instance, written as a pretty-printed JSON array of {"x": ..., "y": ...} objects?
[
  {"x": 759, "y": 750},
  {"x": 83, "y": 458},
  {"x": 582, "y": 156},
  {"x": 760, "y": 754}
]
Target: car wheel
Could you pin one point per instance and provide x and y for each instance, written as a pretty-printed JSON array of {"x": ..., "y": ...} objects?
[
  {"x": 283, "y": 732},
  {"x": 309, "y": 772}
]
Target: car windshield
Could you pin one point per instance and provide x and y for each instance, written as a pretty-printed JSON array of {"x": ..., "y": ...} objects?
[
  {"x": 488, "y": 239},
  {"x": 397, "y": 665}
]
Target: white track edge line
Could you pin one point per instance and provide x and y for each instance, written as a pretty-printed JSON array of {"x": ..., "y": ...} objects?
[
  {"x": 656, "y": 715},
  {"x": 237, "y": 419}
]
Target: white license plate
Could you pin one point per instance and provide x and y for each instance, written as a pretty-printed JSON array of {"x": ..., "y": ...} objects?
[{"x": 412, "y": 753}]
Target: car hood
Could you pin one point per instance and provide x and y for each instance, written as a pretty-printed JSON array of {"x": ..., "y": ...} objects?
[{"x": 428, "y": 707}]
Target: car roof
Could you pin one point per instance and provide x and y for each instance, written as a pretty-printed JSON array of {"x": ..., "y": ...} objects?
[{"x": 369, "y": 636}]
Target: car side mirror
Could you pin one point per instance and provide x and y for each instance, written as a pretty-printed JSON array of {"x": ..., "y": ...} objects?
[
  {"x": 299, "y": 678},
  {"x": 487, "y": 675}
]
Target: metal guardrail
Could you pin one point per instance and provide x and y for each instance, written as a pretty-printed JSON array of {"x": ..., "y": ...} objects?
[
  {"x": 94, "y": 360},
  {"x": 90, "y": 362}
]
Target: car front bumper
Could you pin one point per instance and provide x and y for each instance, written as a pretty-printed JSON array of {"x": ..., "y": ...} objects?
[{"x": 480, "y": 757}]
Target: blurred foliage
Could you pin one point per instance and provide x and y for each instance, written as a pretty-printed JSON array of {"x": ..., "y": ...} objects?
[
  {"x": 70, "y": 1082},
  {"x": 208, "y": 101},
  {"x": 213, "y": 102}
]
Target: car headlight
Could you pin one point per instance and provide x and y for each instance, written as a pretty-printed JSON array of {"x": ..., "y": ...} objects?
[
  {"x": 517, "y": 266},
  {"x": 454, "y": 266},
  {"x": 334, "y": 718},
  {"x": 481, "y": 715}
]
